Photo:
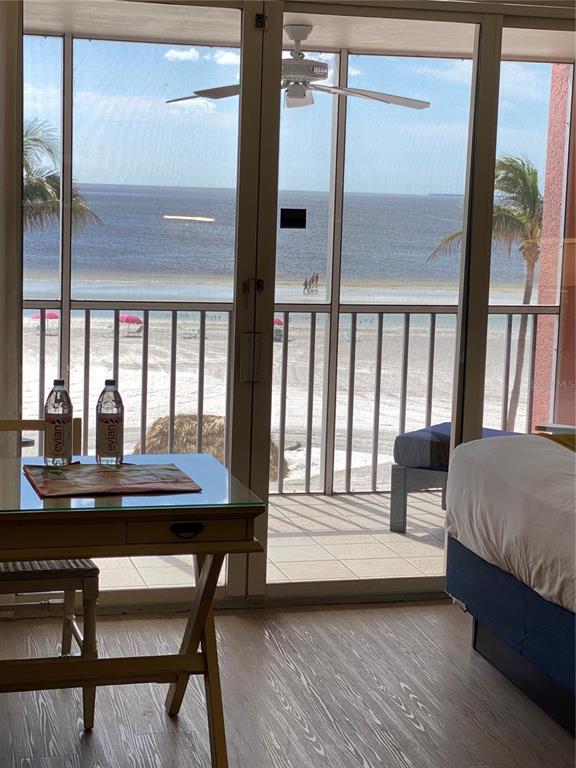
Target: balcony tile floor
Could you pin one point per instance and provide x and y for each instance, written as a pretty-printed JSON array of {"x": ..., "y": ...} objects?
[{"x": 318, "y": 538}]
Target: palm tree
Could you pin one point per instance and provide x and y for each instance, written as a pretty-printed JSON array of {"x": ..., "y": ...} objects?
[
  {"x": 41, "y": 182},
  {"x": 517, "y": 221}
]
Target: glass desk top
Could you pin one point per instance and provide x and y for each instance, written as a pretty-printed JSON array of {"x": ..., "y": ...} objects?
[{"x": 220, "y": 489}]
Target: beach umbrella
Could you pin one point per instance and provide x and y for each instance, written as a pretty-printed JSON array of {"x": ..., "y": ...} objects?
[
  {"x": 130, "y": 319},
  {"x": 278, "y": 321},
  {"x": 49, "y": 315}
]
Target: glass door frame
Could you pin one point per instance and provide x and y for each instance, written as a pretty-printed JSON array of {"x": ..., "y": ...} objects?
[{"x": 472, "y": 316}]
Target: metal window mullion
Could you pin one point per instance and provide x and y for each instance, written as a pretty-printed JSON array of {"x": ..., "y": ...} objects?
[
  {"x": 506, "y": 376},
  {"x": 470, "y": 368},
  {"x": 377, "y": 390},
  {"x": 335, "y": 260},
  {"x": 200, "y": 401},
  {"x": 310, "y": 405},
  {"x": 66, "y": 209}
]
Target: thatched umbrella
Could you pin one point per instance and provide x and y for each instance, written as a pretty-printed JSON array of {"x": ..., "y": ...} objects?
[{"x": 185, "y": 428}]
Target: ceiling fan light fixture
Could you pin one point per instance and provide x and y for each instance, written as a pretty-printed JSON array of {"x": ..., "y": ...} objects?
[{"x": 297, "y": 95}]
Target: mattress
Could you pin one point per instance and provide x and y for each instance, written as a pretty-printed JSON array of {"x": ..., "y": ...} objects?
[
  {"x": 429, "y": 448},
  {"x": 512, "y": 501}
]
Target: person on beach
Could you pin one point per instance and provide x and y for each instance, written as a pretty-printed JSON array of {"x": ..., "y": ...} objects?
[{"x": 306, "y": 287}]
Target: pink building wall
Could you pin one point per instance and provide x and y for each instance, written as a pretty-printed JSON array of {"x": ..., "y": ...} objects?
[{"x": 553, "y": 224}]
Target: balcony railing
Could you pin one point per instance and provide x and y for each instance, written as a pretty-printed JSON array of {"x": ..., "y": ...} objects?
[{"x": 393, "y": 372}]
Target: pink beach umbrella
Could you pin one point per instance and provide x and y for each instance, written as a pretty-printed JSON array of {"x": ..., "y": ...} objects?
[
  {"x": 278, "y": 321},
  {"x": 49, "y": 315},
  {"x": 130, "y": 319}
]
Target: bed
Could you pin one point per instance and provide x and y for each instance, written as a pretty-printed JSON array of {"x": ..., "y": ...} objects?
[{"x": 511, "y": 514}]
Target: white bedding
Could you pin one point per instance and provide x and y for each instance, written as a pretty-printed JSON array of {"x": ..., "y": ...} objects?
[{"x": 512, "y": 501}]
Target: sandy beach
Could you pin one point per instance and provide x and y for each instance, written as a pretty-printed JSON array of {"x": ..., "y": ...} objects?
[{"x": 100, "y": 359}]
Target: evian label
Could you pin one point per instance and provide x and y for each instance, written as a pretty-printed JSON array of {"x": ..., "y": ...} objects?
[
  {"x": 58, "y": 436},
  {"x": 110, "y": 435}
]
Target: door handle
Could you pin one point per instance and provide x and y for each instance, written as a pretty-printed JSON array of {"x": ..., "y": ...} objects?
[{"x": 186, "y": 530}]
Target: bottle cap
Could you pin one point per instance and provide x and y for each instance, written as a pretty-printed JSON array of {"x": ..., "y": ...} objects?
[
  {"x": 58, "y": 382},
  {"x": 110, "y": 383}
]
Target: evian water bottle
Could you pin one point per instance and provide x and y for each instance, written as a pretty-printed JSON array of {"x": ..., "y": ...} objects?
[
  {"x": 110, "y": 425},
  {"x": 58, "y": 418}
]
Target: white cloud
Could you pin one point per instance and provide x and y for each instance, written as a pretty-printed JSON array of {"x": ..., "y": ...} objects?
[
  {"x": 352, "y": 70},
  {"x": 518, "y": 81},
  {"x": 191, "y": 54},
  {"x": 200, "y": 105},
  {"x": 226, "y": 58},
  {"x": 455, "y": 71}
]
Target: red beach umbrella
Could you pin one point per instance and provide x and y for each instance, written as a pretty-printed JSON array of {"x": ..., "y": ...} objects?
[
  {"x": 49, "y": 315},
  {"x": 130, "y": 319},
  {"x": 278, "y": 321}
]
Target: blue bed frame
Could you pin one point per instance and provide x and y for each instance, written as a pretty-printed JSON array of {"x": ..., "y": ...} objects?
[{"x": 529, "y": 639}]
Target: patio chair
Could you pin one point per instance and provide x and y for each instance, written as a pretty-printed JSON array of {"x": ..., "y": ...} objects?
[
  {"x": 421, "y": 465},
  {"x": 67, "y": 576}
]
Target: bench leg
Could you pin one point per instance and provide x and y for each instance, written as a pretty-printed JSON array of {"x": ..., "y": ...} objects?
[{"x": 398, "y": 499}]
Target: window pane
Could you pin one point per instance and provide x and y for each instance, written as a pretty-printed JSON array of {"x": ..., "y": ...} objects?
[
  {"x": 530, "y": 182},
  {"x": 41, "y": 184},
  {"x": 530, "y": 213},
  {"x": 304, "y": 183},
  {"x": 156, "y": 182},
  {"x": 405, "y": 181}
]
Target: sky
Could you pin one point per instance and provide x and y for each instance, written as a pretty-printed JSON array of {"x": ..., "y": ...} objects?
[{"x": 125, "y": 133}]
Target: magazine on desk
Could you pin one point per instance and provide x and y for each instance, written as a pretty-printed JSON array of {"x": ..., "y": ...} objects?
[{"x": 101, "y": 479}]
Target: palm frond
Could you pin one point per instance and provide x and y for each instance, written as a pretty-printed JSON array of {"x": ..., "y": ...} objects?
[
  {"x": 450, "y": 245},
  {"x": 41, "y": 202},
  {"x": 508, "y": 227},
  {"x": 39, "y": 145},
  {"x": 517, "y": 182}
]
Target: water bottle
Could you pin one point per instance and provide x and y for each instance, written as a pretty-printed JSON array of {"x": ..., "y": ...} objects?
[
  {"x": 58, "y": 418},
  {"x": 110, "y": 425}
]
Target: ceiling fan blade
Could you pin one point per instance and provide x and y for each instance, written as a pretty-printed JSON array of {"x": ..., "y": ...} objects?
[
  {"x": 211, "y": 93},
  {"x": 388, "y": 98},
  {"x": 306, "y": 101}
]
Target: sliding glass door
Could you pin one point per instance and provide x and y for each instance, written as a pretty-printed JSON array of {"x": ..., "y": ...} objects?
[{"x": 135, "y": 236}]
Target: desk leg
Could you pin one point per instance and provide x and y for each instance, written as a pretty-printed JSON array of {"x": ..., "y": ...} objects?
[
  {"x": 207, "y": 573},
  {"x": 213, "y": 695}
]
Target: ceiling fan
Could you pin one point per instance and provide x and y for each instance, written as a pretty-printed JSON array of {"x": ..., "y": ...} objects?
[{"x": 299, "y": 80}]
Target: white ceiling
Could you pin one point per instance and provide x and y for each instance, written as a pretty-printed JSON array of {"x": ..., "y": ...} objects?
[{"x": 218, "y": 26}]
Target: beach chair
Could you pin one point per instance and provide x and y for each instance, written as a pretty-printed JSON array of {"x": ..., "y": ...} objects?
[{"x": 36, "y": 577}]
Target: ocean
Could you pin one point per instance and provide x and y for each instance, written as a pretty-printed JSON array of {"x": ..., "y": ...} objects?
[{"x": 138, "y": 254}]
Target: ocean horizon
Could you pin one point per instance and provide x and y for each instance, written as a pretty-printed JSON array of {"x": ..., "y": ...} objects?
[{"x": 139, "y": 252}]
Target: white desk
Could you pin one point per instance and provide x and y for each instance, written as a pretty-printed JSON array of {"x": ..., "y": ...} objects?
[{"x": 211, "y": 524}]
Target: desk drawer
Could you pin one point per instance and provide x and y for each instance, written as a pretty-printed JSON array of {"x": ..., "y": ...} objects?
[
  {"x": 61, "y": 535},
  {"x": 186, "y": 530}
]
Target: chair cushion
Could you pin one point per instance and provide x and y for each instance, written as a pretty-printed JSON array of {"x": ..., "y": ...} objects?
[
  {"x": 429, "y": 448},
  {"x": 35, "y": 569}
]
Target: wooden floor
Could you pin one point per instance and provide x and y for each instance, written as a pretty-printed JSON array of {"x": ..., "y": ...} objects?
[{"x": 356, "y": 687}]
